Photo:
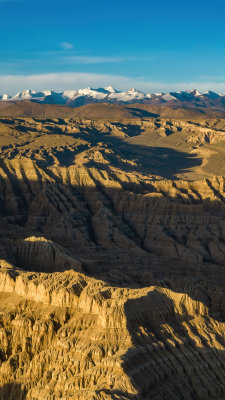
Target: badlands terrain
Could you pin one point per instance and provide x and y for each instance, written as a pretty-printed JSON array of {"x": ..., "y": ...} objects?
[{"x": 112, "y": 253}]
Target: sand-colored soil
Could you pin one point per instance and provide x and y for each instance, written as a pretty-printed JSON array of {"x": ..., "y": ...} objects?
[{"x": 112, "y": 259}]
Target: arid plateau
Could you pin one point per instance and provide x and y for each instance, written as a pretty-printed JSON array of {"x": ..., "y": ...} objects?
[{"x": 112, "y": 253}]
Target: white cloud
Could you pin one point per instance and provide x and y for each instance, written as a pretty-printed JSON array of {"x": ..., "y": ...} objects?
[
  {"x": 90, "y": 59},
  {"x": 65, "y": 81},
  {"x": 67, "y": 46},
  {"x": 93, "y": 59},
  {"x": 62, "y": 58}
]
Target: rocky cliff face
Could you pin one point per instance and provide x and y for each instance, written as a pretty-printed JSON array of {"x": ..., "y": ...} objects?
[{"x": 111, "y": 268}]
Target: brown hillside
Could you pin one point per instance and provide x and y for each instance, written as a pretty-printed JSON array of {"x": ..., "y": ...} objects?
[{"x": 112, "y": 255}]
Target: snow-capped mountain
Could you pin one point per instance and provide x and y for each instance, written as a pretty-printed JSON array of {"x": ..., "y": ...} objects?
[
  {"x": 75, "y": 98},
  {"x": 31, "y": 94},
  {"x": 5, "y": 97}
]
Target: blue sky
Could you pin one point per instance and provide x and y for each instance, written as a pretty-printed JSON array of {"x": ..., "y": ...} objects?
[{"x": 154, "y": 45}]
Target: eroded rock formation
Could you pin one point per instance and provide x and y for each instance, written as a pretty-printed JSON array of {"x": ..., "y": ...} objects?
[{"x": 112, "y": 268}]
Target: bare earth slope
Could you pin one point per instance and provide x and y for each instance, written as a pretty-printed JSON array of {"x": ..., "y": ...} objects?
[
  {"x": 112, "y": 257},
  {"x": 106, "y": 111}
]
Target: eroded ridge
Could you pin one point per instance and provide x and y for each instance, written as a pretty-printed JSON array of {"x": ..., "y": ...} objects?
[{"x": 111, "y": 278}]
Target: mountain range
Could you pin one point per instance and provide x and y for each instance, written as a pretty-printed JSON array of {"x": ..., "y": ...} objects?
[{"x": 76, "y": 98}]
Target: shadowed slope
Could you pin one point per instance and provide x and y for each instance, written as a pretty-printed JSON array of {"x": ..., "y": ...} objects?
[
  {"x": 111, "y": 277},
  {"x": 104, "y": 111},
  {"x": 12, "y": 391},
  {"x": 172, "y": 356}
]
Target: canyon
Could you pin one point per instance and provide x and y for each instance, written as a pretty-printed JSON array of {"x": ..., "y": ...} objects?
[{"x": 112, "y": 254}]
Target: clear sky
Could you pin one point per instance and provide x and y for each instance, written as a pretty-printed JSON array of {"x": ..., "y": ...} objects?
[{"x": 153, "y": 45}]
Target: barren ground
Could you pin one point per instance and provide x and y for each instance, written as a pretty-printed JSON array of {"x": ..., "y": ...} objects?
[{"x": 112, "y": 257}]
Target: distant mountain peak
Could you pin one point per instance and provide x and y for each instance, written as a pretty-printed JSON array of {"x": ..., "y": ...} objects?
[
  {"x": 5, "y": 96},
  {"x": 110, "y": 89},
  {"x": 212, "y": 95},
  {"x": 194, "y": 92},
  {"x": 107, "y": 94}
]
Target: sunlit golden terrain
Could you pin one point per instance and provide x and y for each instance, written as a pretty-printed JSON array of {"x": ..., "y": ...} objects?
[{"x": 112, "y": 256}]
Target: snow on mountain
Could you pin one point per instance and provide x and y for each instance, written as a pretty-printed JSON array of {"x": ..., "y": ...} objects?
[
  {"x": 31, "y": 94},
  {"x": 108, "y": 94},
  {"x": 47, "y": 92},
  {"x": 27, "y": 94},
  {"x": 98, "y": 94},
  {"x": 168, "y": 97},
  {"x": 130, "y": 95},
  {"x": 5, "y": 97},
  {"x": 110, "y": 89},
  {"x": 69, "y": 94},
  {"x": 194, "y": 93},
  {"x": 212, "y": 95}
]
